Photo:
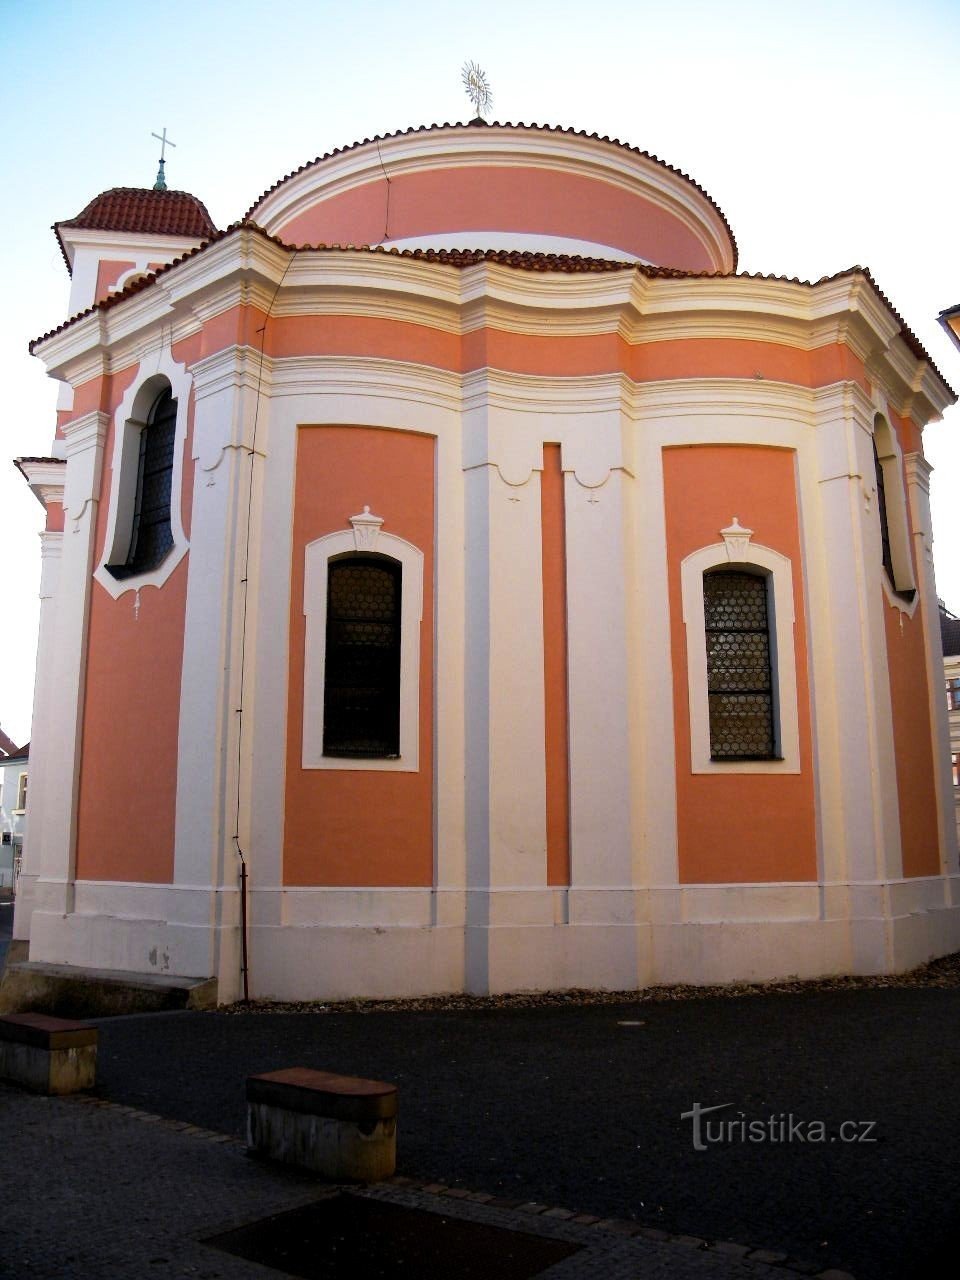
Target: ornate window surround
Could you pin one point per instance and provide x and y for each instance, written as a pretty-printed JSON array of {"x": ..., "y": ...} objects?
[
  {"x": 365, "y": 535},
  {"x": 129, "y": 421},
  {"x": 737, "y": 549}
]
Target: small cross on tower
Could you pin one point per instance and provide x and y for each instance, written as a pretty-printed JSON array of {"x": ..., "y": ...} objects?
[{"x": 161, "y": 183}]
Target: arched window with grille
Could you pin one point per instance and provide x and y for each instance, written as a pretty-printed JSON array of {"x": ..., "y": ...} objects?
[
  {"x": 363, "y": 606},
  {"x": 151, "y": 535},
  {"x": 361, "y": 696},
  {"x": 740, "y": 691},
  {"x": 738, "y": 612}
]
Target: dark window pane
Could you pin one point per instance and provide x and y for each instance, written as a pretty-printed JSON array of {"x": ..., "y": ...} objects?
[
  {"x": 739, "y": 678},
  {"x": 361, "y": 696},
  {"x": 886, "y": 553},
  {"x": 151, "y": 536}
]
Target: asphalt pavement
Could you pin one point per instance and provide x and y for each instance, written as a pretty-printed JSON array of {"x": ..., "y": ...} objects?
[{"x": 833, "y": 1144}]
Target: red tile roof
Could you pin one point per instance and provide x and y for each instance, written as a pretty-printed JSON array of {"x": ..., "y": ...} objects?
[
  {"x": 164, "y": 213},
  {"x": 496, "y": 124},
  {"x": 143, "y": 210},
  {"x": 522, "y": 261}
]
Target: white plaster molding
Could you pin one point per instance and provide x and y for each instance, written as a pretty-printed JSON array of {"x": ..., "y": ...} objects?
[
  {"x": 318, "y": 555},
  {"x": 737, "y": 541},
  {"x": 83, "y": 444},
  {"x": 524, "y": 242},
  {"x": 366, "y": 530},
  {"x": 779, "y": 573},
  {"x": 129, "y": 421},
  {"x": 46, "y": 478}
]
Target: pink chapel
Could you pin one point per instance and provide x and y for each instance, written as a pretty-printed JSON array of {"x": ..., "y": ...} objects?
[{"x": 520, "y": 596}]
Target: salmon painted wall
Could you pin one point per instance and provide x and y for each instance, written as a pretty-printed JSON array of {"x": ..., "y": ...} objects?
[
  {"x": 913, "y": 746},
  {"x": 556, "y": 698},
  {"x": 108, "y": 273},
  {"x": 372, "y": 336},
  {"x": 131, "y": 711},
  {"x": 737, "y": 827},
  {"x": 909, "y": 697},
  {"x": 520, "y": 198},
  {"x": 345, "y": 827}
]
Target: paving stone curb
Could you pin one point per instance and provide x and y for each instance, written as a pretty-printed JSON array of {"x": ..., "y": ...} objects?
[
  {"x": 624, "y": 1227},
  {"x": 555, "y": 1213}
]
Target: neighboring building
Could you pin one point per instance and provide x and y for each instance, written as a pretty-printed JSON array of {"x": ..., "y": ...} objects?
[
  {"x": 950, "y": 636},
  {"x": 529, "y": 600},
  {"x": 14, "y": 767}
]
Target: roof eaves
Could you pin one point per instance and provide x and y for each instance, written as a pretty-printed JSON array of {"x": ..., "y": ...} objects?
[{"x": 517, "y": 260}]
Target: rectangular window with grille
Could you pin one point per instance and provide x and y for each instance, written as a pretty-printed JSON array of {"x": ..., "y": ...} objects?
[
  {"x": 361, "y": 697},
  {"x": 953, "y": 694},
  {"x": 739, "y": 668}
]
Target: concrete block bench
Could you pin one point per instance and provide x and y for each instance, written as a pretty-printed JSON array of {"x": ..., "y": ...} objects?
[
  {"x": 49, "y": 1055},
  {"x": 340, "y": 1127}
]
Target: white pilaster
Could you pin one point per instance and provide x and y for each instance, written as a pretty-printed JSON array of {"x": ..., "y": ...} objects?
[
  {"x": 506, "y": 769},
  {"x": 856, "y": 765},
  {"x": 60, "y": 762},
  {"x": 600, "y": 774},
  {"x": 205, "y": 859},
  {"x": 43, "y": 731}
]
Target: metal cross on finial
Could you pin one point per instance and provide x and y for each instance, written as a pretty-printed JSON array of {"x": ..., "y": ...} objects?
[
  {"x": 161, "y": 184},
  {"x": 478, "y": 88}
]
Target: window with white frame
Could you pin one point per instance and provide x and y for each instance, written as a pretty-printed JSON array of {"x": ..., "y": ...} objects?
[
  {"x": 145, "y": 538},
  {"x": 738, "y": 615},
  {"x": 953, "y": 693},
  {"x": 362, "y": 600},
  {"x": 21, "y": 804}
]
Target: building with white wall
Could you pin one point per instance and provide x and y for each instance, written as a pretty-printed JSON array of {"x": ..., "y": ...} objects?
[
  {"x": 526, "y": 598},
  {"x": 14, "y": 768}
]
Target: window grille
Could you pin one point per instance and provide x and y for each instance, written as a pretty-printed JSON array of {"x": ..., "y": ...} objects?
[
  {"x": 953, "y": 694},
  {"x": 151, "y": 536},
  {"x": 739, "y": 675},
  {"x": 361, "y": 697}
]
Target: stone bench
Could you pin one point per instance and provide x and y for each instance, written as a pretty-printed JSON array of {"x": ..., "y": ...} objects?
[
  {"x": 49, "y": 1055},
  {"x": 340, "y": 1127}
]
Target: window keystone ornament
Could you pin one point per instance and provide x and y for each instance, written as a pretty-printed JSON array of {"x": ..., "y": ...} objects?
[
  {"x": 737, "y": 541},
  {"x": 366, "y": 530}
]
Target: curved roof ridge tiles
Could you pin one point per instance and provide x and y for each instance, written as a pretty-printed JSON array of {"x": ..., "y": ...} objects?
[
  {"x": 497, "y": 124},
  {"x": 522, "y": 260}
]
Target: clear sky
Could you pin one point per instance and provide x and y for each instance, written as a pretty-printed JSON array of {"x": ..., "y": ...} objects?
[{"x": 827, "y": 131}]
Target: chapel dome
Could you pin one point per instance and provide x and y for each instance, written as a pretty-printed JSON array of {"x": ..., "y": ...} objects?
[{"x": 521, "y": 187}]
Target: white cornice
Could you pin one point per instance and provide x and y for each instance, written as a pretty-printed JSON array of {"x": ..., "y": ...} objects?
[
  {"x": 333, "y": 376},
  {"x": 459, "y": 147},
  {"x": 46, "y": 478},
  {"x": 85, "y": 432},
  {"x": 129, "y": 244},
  {"x": 721, "y": 398},
  {"x": 528, "y": 393},
  {"x": 246, "y": 268}
]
